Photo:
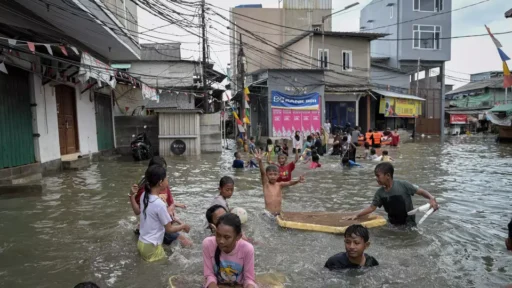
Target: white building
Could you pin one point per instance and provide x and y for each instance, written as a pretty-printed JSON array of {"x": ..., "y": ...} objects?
[{"x": 56, "y": 85}]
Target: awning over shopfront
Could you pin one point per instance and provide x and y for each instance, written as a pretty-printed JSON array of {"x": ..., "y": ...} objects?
[
  {"x": 394, "y": 104},
  {"x": 397, "y": 95},
  {"x": 505, "y": 108}
]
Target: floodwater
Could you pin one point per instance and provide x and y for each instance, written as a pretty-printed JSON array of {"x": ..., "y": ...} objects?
[{"x": 80, "y": 228}]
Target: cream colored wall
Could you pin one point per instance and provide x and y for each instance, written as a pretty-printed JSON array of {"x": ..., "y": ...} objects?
[
  {"x": 360, "y": 59},
  {"x": 269, "y": 57},
  {"x": 296, "y": 55}
]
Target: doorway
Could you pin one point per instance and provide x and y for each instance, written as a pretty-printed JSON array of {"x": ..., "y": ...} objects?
[
  {"x": 104, "y": 126},
  {"x": 66, "y": 116}
]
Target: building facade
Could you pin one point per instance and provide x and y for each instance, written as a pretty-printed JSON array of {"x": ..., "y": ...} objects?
[
  {"x": 58, "y": 110},
  {"x": 418, "y": 39}
]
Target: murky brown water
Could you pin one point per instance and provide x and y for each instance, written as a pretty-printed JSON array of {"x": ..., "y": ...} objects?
[{"x": 81, "y": 227}]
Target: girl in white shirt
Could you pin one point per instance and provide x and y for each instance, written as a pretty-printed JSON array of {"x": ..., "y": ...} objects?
[
  {"x": 155, "y": 219},
  {"x": 297, "y": 143}
]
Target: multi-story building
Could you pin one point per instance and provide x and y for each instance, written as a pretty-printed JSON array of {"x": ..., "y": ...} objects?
[
  {"x": 286, "y": 52},
  {"x": 418, "y": 38}
]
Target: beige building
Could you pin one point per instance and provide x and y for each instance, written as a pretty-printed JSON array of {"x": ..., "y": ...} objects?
[{"x": 291, "y": 38}]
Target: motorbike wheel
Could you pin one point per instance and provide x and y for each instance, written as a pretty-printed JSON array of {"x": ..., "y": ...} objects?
[{"x": 137, "y": 156}]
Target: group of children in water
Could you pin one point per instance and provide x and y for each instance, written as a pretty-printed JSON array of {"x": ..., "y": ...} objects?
[{"x": 228, "y": 255}]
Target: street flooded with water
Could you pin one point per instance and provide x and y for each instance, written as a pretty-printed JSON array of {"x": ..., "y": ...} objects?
[{"x": 81, "y": 227}]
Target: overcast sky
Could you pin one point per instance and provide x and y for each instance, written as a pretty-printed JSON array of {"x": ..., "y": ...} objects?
[{"x": 469, "y": 55}]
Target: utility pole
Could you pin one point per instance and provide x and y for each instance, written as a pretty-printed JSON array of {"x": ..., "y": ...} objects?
[
  {"x": 417, "y": 94},
  {"x": 418, "y": 79},
  {"x": 241, "y": 79},
  {"x": 324, "y": 55},
  {"x": 206, "y": 103}
]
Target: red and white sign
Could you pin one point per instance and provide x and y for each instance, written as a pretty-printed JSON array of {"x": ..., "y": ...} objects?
[{"x": 458, "y": 119}]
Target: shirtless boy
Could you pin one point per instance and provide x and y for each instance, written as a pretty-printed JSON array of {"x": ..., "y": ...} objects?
[{"x": 271, "y": 188}]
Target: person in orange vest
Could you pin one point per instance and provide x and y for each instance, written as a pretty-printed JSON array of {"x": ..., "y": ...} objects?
[
  {"x": 367, "y": 137},
  {"x": 376, "y": 136}
]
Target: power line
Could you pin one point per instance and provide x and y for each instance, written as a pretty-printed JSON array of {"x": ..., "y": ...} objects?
[{"x": 428, "y": 16}]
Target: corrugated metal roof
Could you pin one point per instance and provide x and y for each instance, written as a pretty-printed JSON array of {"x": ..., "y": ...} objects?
[
  {"x": 492, "y": 83},
  {"x": 397, "y": 95},
  {"x": 160, "y": 52},
  {"x": 307, "y": 4}
]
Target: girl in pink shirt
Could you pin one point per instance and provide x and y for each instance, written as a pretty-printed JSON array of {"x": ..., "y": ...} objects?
[{"x": 227, "y": 259}]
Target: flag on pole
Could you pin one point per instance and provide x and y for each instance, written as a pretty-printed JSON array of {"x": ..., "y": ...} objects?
[
  {"x": 246, "y": 93},
  {"x": 496, "y": 42},
  {"x": 247, "y": 113},
  {"x": 31, "y": 47},
  {"x": 507, "y": 78}
]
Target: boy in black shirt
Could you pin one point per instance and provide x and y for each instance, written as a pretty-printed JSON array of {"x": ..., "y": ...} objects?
[{"x": 356, "y": 241}]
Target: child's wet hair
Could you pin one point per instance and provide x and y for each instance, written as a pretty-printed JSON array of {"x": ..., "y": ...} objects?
[
  {"x": 232, "y": 220},
  {"x": 358, "y": 230},
  {"x": 236, "y": 154},
  {"x": 373, "y": 151},
  {"x": 272, "y": 168},
  {"x": 269, "y": 141},
  {"x": 385, "y": 152},
  {"x": 385, "y": 168},
  {"x": 366, "y": 145},
  {"x": 225, "y": 181},
  {"x": 157, "y": 160},
  {"x": 315, "y": 158},
  {"x": 154, "y": 174},
  {"x": 309, "y": 138},
  {"x": 86, "y": 285},
  {"x": 252, "y": 138},
  {"x": 211, "y": 210}
]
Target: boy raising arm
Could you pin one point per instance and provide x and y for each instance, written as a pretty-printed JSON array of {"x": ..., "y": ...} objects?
[
  {"x": 395, "y": 196},
  {"x": 271, "y": 188}
]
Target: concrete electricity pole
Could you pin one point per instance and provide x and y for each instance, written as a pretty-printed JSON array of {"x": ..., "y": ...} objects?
[
  {"x": 206, "y": 103},
  {"x": 242, "y": 63}
]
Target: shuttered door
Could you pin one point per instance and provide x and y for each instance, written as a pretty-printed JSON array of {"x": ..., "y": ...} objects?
[
  {"x": 16, "y": 136},
  {"x": 104, "y": 127}
]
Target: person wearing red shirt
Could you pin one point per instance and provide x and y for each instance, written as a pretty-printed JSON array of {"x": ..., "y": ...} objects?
[
  {"x": 166, "y": 196},
  {"x": 395, "y": 138},
  {"x": 285, "y": 170}
]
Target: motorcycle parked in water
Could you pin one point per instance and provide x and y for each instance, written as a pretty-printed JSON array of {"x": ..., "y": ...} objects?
[{"x": 141, "y": 146}]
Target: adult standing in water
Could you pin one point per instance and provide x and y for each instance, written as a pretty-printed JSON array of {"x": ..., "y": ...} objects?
[{"x": 327, "y": 126}]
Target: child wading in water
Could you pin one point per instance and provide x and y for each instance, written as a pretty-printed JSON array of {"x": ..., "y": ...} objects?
[
  {"x": 239, "y": 163},
  {"x": 271, "y": 188},
  {"x": 155, "y": 220},
  {"x": 166, "y": 196},
  {"x": 315, "y": 161},
  {"x": 395, "y": 196},
  {"x": 285, "y": 170},
  {"x": 226, "y": 188},
  {"x": 356, "y": 241},
  {"x": 227, "y": 259}
]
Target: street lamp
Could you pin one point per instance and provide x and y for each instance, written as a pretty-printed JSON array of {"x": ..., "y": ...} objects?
[{"x": 323, "y": 30}]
